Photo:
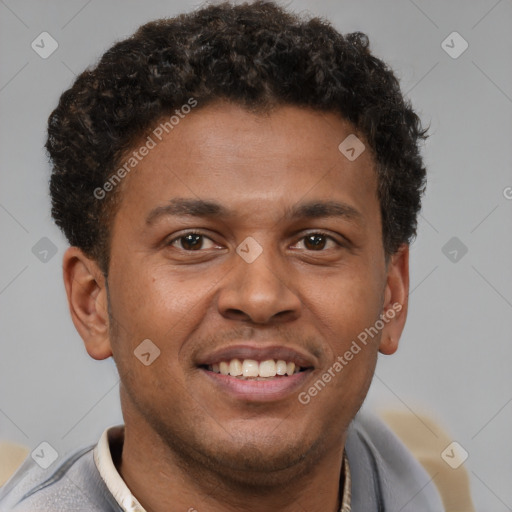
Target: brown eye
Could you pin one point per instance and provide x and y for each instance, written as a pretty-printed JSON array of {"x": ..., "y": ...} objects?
[
  {"x": 315, "y": 242},
  {"x": 192, "y": 242}
]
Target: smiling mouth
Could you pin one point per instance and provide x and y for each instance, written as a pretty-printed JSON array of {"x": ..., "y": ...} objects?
[{"x": 251, "y": 369}]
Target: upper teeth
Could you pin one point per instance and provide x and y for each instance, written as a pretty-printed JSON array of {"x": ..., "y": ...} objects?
[{"x": 252, "y": 368}]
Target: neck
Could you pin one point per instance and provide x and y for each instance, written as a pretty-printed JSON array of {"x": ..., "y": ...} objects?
[{"x": 162, "y": 480}]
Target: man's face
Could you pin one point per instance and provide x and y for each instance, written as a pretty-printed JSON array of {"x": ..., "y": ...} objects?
[{"x": 318, "y": 281}]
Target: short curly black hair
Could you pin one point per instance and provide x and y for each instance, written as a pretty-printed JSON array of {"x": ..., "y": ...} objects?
[{"x": 256, "y": 55}]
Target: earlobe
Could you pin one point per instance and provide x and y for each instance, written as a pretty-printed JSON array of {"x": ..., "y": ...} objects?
[
  {"x": 388, "y": 345},
  {"x": 87, "y": 299},
  {"x": 396, "y": 300}
]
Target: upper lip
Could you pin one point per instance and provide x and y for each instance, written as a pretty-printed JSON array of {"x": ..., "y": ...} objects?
[{"x": 258, "y": 352}]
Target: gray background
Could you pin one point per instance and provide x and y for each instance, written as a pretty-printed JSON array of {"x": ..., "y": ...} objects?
[{"x": 455, "y": 355}]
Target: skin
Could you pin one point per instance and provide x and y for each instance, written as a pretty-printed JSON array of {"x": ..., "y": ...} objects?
[{"x": 188, "y": 443}]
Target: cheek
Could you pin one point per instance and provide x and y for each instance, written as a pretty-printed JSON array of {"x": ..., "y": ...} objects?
[
  {"x": 343, "y": 304},
  {"x": 175, "y": 297},
  {"x": 159, "y": 305},
  {"x": 350, "y": 305},
  {"x": 146, "y": 293}
]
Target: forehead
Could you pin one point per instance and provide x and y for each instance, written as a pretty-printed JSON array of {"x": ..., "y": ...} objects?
[{"x": 254, "y": 164}]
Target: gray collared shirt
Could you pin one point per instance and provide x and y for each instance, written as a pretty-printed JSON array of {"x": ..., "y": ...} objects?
[{"x": 379, "y": 475}]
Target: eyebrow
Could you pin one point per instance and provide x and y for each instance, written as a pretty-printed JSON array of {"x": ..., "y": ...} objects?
[
  {"x": 203, "y": 208},
  {"x": 191, "y": 207},
  {"x": 321, "y": 209}
]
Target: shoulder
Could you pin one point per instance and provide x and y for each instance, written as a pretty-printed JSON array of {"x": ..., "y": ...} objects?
[
  {"x": 385, "y": 475},
  {"x": 73, "y": 484}
]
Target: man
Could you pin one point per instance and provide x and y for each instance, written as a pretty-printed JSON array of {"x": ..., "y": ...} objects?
[{"x": 239, "y": 187}]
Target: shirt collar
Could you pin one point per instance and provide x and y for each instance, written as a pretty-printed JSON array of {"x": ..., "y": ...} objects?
[
  {"x": 347, "y": 486},
  {"x": 123, "y": 495},
  {"x": 103, "y": 460}
]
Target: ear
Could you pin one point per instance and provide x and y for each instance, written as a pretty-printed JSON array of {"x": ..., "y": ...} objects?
[
  {"x": 87, "y": 299},
  {"x": 396, "y": 300}
]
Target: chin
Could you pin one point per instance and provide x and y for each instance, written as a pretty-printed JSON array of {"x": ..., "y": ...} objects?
[
  {"x": 254, "y": 460},
  {"x": 255, "y": 467}
]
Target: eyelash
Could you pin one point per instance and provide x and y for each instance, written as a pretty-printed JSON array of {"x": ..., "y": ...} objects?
[{"x": 319, "y": 233}]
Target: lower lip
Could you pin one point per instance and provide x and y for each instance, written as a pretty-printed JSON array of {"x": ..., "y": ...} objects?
[{"x": 270, "y": 390}]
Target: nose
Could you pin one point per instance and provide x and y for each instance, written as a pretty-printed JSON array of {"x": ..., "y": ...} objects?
[{"x": 259, "y": 292}]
